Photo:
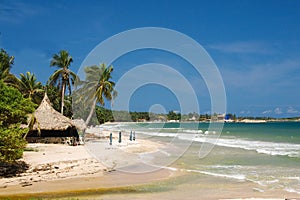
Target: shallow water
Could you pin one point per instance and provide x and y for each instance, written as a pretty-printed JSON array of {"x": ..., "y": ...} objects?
[
  {"x": 266, "y": 154},
  {"x": 248, "y": 160}
]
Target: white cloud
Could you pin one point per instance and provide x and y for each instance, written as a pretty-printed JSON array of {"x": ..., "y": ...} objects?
[
  {"x": 243, "y": 47},
  {"x": 292, "y": 110},
  {"x": 267, "y": 112},
  {"x": 278, "y": 111},
  {"x": 245, "y": 112},
  {"x": 16, "y": 11},
  {"x": 263, "y": 78}
]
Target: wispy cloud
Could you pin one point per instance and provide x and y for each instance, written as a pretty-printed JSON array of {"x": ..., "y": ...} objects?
[
  {"x": 267, "y": 112},
  {"x": 245, "y": 112},
  {"x": 15, "y": 11},
  {"x": 243, "y": 47},
  {"x": 281, "y": 111},
  {"x": 266, "y": 77},
  {"x": 291, "y": 110},
  {"x": 278, "y": 111}
]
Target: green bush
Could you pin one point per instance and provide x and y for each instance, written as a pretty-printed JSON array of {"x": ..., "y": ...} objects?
[
  {"x": 13, "y": 111},
  {"x": 12, "y": 143},
  {"x": 13, "y": 107}
]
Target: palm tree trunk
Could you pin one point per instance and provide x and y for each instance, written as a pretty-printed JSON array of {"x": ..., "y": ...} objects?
[
  {"x": 91, "y": 112},
  {"x": 62, "y": 98}
]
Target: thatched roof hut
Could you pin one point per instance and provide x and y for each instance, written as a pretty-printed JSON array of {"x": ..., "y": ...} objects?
[{"x": 50, "y": 123}]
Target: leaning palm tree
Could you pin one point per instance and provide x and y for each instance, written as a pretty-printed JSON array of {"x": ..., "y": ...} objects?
[
  {"x": 96, "y": 88},
  {"x": 63, "y": 77},
  {"x": 30, "y": 87}
]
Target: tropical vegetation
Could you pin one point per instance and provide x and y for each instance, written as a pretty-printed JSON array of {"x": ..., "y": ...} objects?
[
  {"x": 6, "y": 62},
  {"x": 19, "y": 96},
  {"x": 104, "y": 115},
  {"x": 28, "y": 85},
  {"x": 63, "y": 77},
  {"x": 97, "y": 87},
  {"x": 13, "y": 111},
  {"x": 173, "y": 115}
]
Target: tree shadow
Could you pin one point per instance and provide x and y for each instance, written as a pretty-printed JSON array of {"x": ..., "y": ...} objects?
[{"x": 11, "y": 169}]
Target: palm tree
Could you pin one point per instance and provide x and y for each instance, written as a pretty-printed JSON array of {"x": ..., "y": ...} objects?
[
  {"x": 97, "y": 87},
  {"x": 29, "y": 87},
  {"x": 63, "y": 77},
  {"x": 6, "y": 63}
]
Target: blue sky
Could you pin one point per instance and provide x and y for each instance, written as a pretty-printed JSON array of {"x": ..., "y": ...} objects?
[{"x": 255, "y": 45}]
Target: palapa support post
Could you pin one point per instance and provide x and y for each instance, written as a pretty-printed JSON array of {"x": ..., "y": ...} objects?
[
  {"x": 133, "y": 135},
  {"x": 130, "y": 137},
  {"x": 120, "y": 137},
  {"x": 110, "y": 139}
]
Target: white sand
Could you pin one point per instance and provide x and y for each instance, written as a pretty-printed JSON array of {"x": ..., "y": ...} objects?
[
  {"x": 54, "y": 166},
  {"x": 50, "y": 162},
  {"x": 55, "y": 161}
]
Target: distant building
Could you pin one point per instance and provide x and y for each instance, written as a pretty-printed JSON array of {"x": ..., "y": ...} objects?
[
  {"x": 220, "y": 117},
  {"x": 228, "y": 118}
]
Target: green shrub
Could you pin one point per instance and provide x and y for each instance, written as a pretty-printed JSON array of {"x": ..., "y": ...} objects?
[
  {"x": 13, "y": 111},
  {"x": 12, "y": 143},
  {"x": 13, "y": 107}
]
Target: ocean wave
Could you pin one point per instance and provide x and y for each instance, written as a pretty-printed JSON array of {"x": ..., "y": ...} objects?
[
  {"x": 193, "y": 131},
  {"x": 231, "y": 176},
  {"x": 294, "y": 178},
  {"x": 245, "y": 173},
  {"x": 262, "y": 147},
  {"x": 234, "y": 167},
  {"x": 158, "y": 134},
  {"x": 292, "y": 190},
  {"x": 269, "y": 148}
]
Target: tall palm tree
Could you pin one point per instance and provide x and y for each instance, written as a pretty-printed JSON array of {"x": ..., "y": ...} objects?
[
  {"x": 97, "y": 87},
  {"x": 30, "y": 87},
  {"x": 6, "y": 63},
  {"x": 63, "y": 77}
]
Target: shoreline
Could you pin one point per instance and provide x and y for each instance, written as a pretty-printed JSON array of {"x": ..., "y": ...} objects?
[
  {"x": 61, "y": 171},
  {"x": 52, "y": 167},
  {"x": 115, "y": 186},
  {"x": 108, "y": 182},
  {"x": 244, "y": 121}
]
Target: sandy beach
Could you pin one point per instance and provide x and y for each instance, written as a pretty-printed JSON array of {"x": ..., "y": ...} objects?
[
  {"x": 63, "y": 171},
  {"x": 48, "y": 162},
  {"x": 52, "y": 167}
]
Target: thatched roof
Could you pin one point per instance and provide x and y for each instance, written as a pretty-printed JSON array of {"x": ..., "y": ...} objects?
[{"x": 49, "y": 119}]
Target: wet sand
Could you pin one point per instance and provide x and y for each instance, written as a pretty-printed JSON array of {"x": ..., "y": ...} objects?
[
  {"x": 162, "y": 184},
  {"x": 200, "y": 187},
  {"x": 106, "y": 182}
]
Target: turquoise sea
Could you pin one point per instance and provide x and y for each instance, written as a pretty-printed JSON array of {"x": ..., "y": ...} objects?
[{"x": 266, "y": 154}]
